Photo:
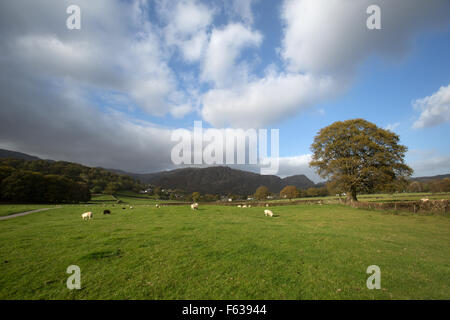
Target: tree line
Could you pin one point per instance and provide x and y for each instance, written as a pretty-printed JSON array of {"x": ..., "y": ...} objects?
[
  {"x": 434, "y": 186},
  {"x": 43, "y": 181}
]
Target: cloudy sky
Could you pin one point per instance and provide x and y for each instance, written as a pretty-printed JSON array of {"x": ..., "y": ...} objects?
[{"x": 111, "y": 93}]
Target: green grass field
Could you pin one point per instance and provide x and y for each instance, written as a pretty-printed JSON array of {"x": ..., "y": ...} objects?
[
  {"x": 6, "y": 210},
  {"x": 127, "y": 197},
  {"x": 380, "y": 197},
  {"x": 102, "y": 197},
  {"x": 305, "y": 252}
]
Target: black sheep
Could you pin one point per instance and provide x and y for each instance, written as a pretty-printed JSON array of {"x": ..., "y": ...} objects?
[{"x": 106, "y": 212}]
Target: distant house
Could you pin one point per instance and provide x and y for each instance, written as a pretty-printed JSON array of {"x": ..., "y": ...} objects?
[
  {"x": 145, "y": 191},
  {"x": 249, "y": 198}
]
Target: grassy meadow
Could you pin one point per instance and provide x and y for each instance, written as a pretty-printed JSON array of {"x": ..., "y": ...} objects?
[
  {"x": 218, "y": 252},
  {"x": 383, "y": 197},
  {"x": 6, "y": 210}
]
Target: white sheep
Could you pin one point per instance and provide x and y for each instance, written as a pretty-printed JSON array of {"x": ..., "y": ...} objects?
[
  {"x": 267, "y": 204},
  {"x": 157, "y": 206},
  {"x": 239, "y": 206},
  {"x": 131, "y": 207},
  {"x": 268, "y": 213},
  {"x": 244, "y": 206},
  {"x": 194, "y": 206},
  {"x": 249, "y": 205},
  {"x": 87, "y": 215},
  {"x": 424, "y": 199}
]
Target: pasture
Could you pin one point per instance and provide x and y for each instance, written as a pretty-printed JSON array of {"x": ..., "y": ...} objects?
[
  {"x": 380, "y": 197},
  {"x": 218, "y": 252},
  {"x": 127, "y": 197},
  {"x": 6, "y": 210}
]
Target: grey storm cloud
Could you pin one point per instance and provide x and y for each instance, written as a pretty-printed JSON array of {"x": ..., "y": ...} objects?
[
  {"x": 59, "y": 88},
  {"x": 47, "y": 72}
]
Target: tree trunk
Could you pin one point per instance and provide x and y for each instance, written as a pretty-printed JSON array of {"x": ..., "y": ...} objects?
[{"x": 353, "y": 193}]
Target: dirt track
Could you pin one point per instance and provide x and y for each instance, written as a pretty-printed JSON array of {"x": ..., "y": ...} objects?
[{"x": 24, "y": 213}]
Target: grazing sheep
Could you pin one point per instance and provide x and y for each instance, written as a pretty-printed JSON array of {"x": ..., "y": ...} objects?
[
  {"x": 131, "y": 207},
  {"x": 244, "y": 206},
  {"x": 239, "y": 206},
  {"x": 194, "y": 206},
  {"x": 424, "y": 199},
  {"x": 106, "y": 212},
  {"x": 87, "y": 215},
  {"x": 157, "y": 206},
  {"x": 249, "y": 205},
  {"x": 268, "y": 213},
  {"x": 267, "y": 204}
]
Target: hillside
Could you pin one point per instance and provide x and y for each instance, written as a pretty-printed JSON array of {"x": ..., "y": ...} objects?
[
  {"x": 300, "y": 181},
  {"x": 213, "y": 180},
  {"x": 16, "y": 155},
  {"x": 19, "y": 172},
  {"x": 220, "y": 180},
  {"x": 428, "y": 179}
]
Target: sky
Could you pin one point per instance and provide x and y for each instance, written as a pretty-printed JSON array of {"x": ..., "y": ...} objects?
[{"x": 111, "y": 93}]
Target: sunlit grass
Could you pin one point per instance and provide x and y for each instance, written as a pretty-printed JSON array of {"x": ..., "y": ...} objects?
[
  {"x": 306, "y": 252},
  {"x": 384, "y": 197},
  {"x": 9, "y": 209}
]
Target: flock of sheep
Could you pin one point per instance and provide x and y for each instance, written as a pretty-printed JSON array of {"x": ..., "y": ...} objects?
[{"x": 194, "y": 206}]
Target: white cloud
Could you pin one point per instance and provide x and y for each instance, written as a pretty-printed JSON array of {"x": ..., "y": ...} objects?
[
  {"x": 60, "y": 123},
  {"x": 191, "y": 16},
  {"x": 393, "y": 126},
  {"x": 52, "y": 79},
  {"x": 186, "y": 27},
  {"x": 241, "y": 9},
  {"x": 435, "y": 109},
  {"x": 290, "y": 166},
  {"x": 224, "y": 48},
  {"x": 126, "y": 57},
  {"x": 264, "y": 101},
  {"x": 182, "y": 110},
  {"x": 331, "y": 36},
  {"x": 323, "y": 43},
  {"x": 435, "y": 165}
]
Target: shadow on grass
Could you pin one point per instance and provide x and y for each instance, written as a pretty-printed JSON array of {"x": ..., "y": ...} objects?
[{"x": 102, "y": 255}]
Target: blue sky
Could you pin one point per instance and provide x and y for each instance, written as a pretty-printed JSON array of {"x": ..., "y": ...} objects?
[
  {"x": 111, "y": 93},
  {"x": 383, "y": 93}
]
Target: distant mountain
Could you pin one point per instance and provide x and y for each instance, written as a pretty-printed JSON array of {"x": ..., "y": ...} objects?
[
  {"x": 214, "y": 180},
  {"x": 220, "y": 180},
  {"x": 16, "y": 155},
  {"x": 299, "y": 180},
  {"x": 427, "y": 179}
]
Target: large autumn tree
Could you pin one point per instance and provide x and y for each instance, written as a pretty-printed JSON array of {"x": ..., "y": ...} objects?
[
  {"x": 289, "y": 192},
  {"x": 262, "y": 193},
  {"x": 357, "y": 156},
  {"x": 196, "y": 196}
]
